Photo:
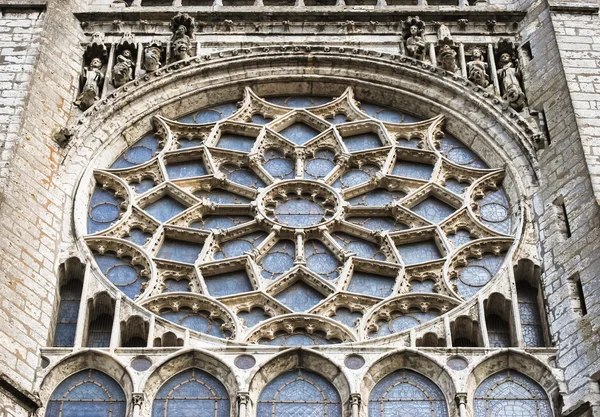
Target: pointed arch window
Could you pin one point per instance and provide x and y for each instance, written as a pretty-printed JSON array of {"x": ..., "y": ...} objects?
[
  {"x": 192, "y": 392},
  {"x": 87, "y": 393},
  {"x": 407, "y": 393},
  {"x": 511, "y": 394},
  {"x": 299, "y": 393}
]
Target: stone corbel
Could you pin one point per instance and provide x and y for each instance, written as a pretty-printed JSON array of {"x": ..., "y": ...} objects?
[
  {"x": 461, "y": 402},
  {"x": 138, "y": 400},
  {"x": 355, "y": 400},
  {"x": 243, "y": 398}
]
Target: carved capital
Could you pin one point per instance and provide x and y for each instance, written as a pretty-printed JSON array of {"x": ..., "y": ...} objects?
[
  {"x": 138, "y": 398},
  {"x": 355, "y": 399},
  {"x": 243, "y": 397},
  {"x": 461, "y": 398}
]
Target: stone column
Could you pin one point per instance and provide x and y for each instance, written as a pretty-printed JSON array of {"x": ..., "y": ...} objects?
[
  {"x": 355, "y": 402},
  {"x": 138, "y": 399},
  {"x": 461, "y": 401},
  {"x": 243, "y": 398}
]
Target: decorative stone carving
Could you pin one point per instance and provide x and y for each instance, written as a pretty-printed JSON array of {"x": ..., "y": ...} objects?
[
  {"x": 93, "y": 72},
  {"x": 123, "y": 70},
  {"x": 509, "y": 75},
  {"x": 477, "y": 68},
  {"x": 182, "y": 27},
  {"x": 413, "y": 29},
  {"x": 447, "y": 58},
  {"x": 153, "y": 56}
]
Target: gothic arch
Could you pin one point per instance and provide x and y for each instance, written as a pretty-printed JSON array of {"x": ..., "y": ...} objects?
[
  {"x": 521, "y": 362},
  {"x": 415, "y": 361},
  {"x": 187, "y": 359},
  {"x": 293, "y": 359},
  {"x": 87, "y": 359}
]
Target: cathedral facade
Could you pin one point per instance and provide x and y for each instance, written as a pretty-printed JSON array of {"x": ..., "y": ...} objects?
[{"x": 282, "y": 208}]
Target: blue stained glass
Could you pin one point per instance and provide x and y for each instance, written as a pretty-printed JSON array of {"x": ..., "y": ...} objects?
[
  {"x": 299, "y": 133},
  {"x": 426, "y": 285},
  {"x": 187, "y": 169},
  {"x": 299, "y": 101},
  {"x": 389, "y": 224},
  {"x": 320, "y": 260},
  {"x": 200, "y": 321},
  {"x": 388, "y": 115},
  {"x": 337, "y": 119},
  {"x": 356, "y": 176},
  {"x": 371, "y": 284},
  {"x": 228, "y": 283},
  {"x": 477, "y": 274},
  {"x": 531, "y": 322},
  {"x": 379, "y": 197},
  {"x": 165, "y": 208},
  {"x": 220, "y": 196},
  {"x": 363, "y": 142},
  {"x": 68, "y": 312},
  {"x": 253, "y": 317},
  {"x": 276, "y": 164},
  {"x": 220, "y": 222},
  {"x": 360, "y": 247},
  {"x": 192, "y": 392},
  {"x": 143, "y": 186},
  {"x": 142, "y": 151},
  {"x": 88, "y": 393},
  {"x": 179, "y": 250},
  {"x": 296, "y": 339},
  {"x": 511, "y": 394},
  {"x": 121, "y": 273},
  {"x": 456, "y": 186},
  {"x": 457, "y": 152},
  {"x": 104, "y": 210},
  {"x": 494, "y": 211},
  {"x": 347, "y": 317},
  {"x": 299, "y": 296},
  {"x": 320, "y": 164},
  {"x": 236, "y": 142},
  {"x": 185, "y": 143},
  {"x": 433, "y": 209},
  {"x": 299, "y": 393},
  {"x": 211, "y": 114},
  {"x": 241, "y": 245},
  {"x": 242, "y": 175},
  {"x": 407, "y": 393},
  {"x": 461, "y": 237},
  {"x": 174, "y": 285},
  {"x": 278, "y": 260},
  {"x": 138, "y": 236},
  {"x": 413, "y": 143},
  {"x": 497, "y": 331},
  {"x": 417, "y": 252},
  {"x": 413, "y": 170},
  {"x": 259, "y": 119},
  {"x": 400, "y": 322},
  {"x": 300, "y": 212}
]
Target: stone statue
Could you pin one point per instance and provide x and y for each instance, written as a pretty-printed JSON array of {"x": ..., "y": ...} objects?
[
  {"x": 509, "y": 78},
  {"x": 447, "y": 58},
  {"x": 93, "y": 77},
  {"x": 443, "y": 33},
  {"x": 415, "y": 45},
  {"x": 152, "y": 56},
  {"x": 477, "y": 69},
  {"x": 181, "y": 44},
  {"x": 123, "y": 69}
]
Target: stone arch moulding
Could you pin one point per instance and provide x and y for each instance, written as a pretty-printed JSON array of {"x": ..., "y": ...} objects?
[
  {"x": 293, "y": 359},
  {"x": 415, "y": 361},
  {"x": 187, "y": 359},
  {"x": 524, "y": 363},
  {"x": 86, "y": 359}
]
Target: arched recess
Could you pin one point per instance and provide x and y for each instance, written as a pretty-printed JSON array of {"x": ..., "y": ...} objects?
[
  {"x": 523, "y": 363},
  {"x": 414, "y": 361},
  {"x": 298, "y": 358},
  {"x": 181, "y": 361},
  {"x": 88, "y": 359}
]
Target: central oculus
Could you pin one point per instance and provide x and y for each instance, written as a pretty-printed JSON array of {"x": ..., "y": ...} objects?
[{"x": 299, "y": 203}]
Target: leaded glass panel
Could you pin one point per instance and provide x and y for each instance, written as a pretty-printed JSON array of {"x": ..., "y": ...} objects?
[
  {"x": 389, "y": 224},
  {"x": 235, "y": 142},
  {"x": 165, "y": 208},
  {"x": 299, "y": 297},
  {"x": 187, "y": 169},
  {"x": 279, "y": 259},
  {"x": 276, "y": 164},
  {"x": 418, "y": 252},
  {"x": 122, "y": 273},
  {"x": 356, "y": 176},
  {"x": 240, "y": 246},
  {"x": 220, "y": 222},
  {"x": 416, "y": 170},
  {"x": 228, "y": 283},
  {"x": 299, "y": 133},
  {"x": 347, "y": 317},
  {"x": 380, "y": 197},
  {"x": 360, "y": 247},
  {"x": 104, "y": 210},
  {"x": 68, "y": 312},
  {"x": 319, "y": 165},
  {"x": 531, "y": 322},
  {"x": 433, "y": 209},
  {"x": 242, "y": 175},
  {"x": 219, "y": 196},
  {"x": 142, "y": 151},
  {"x": 457, "y": 152},
  {"x": 320, "y": 260},
  {"x": 253, "y": 317},
  {"x": 179, "y": 250},
  {"x": 494, "y": 211},
  {"x": 477, "y": 274},
  {"x": 362, "y": 142},
  {"x": 199, "y": 321},
  {"x": 371, "y": 284},
  {"x": 399, "y": 322}
]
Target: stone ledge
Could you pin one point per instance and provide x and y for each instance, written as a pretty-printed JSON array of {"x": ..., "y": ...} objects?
[
  {"x": 23, "y": 4},
  {"x": 587, "y": 7},
  {"x": 22, "y": 396}
]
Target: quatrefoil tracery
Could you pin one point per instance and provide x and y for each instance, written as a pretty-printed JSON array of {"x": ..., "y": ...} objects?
[{"x": 279, "y": 211}]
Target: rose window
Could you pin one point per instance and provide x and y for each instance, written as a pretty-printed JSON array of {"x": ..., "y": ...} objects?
[{"x": 299, "y": 221}]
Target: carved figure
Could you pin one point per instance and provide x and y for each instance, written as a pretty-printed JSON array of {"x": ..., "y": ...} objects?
[
  {"x": 181, "y": 44},
  {"x": 477, "y": 69},
  {"x": 447, "y": 58},
  {"x": 415, "y": 45},
  {"x": 443, "y": 33},
  {"x": 152, "y": 56},
  {"x": 93, "y": 76},
  {"x": 509, "y": 77},
  {"x": 123, "y": 69}
]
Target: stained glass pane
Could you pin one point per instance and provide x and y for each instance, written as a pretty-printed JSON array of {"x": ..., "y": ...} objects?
[
  {"x": 241, "y": 245},
  {"x": 426, "y": 285},
  {"x": 99, "y": 331},
  {"x": 187, "y": 169},
  {"x": 511, "y": 394},
  {"x": 68, "y": 311},
  {"x": 199, "y": 321},
  {"x": 220, "y": 222},
  {"x": 371, "y": 284},
  {"x": 253, "y": 317},
  {"x": 299, "y": 297},
  {"x": 400, "y": 322},
  {"x": 387, "y": 115},
  {"x": 347, "y": 317},
  {"x": 165, "y": 208},
  {"x": 337, "y": 119},
  {"x": 413, "y": 170},
  {"x": 456, "y": 186},
  {"x": 142, "y": 151},
  {"x": 228, "y": 283},
  {"x": 185, "y": 143},
  {"x": 192, "y": 392},
  {"x": 173, "y": 285},
  {"x": 477, "y": 274},
  {"x": 417, "y": 252},
  {"x": 296, "y": 339},
  {"x": 220, "y": 196},
  {"x": 407, "y": 393},
  {"x": 242, "y": 175},
  {"x": 279, "y": 259},
  {"x": 179, "y": 250},
  {"x": 356, "y": 176},
  {"x": 88, "y": 393},
  {"x": 209, "y": 115},
  {"x": 276, "y": 164},
  {"x": 259, "y": 119},
  {"x": 457, "y": 152},
  {"x": 362, "y": 142},
  {"x": 104, "y": 210},
  {"x": 380, "y": 197},
  {"x": 143, "y": 186},
  {"x": 236, "y": 142},
  {"x": 319, "y": 165},
  {"x": 531, "y": 322},
  {"x": 494, "y": 211},
  {"x": 320, "y": 260},
  {"x": 299, "y": 133},
  {"x": 433, "y": 209},
  {"x": 299, "y": 393},
  {"x": 358, "y": 246},
  {"x": 122, "y": 273},
  {"x": 389, "y": 224},
  {"x": 299, "y": 101},
  {"x": 461, "y": 237},
  {"x": 138, "y": 236}
]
